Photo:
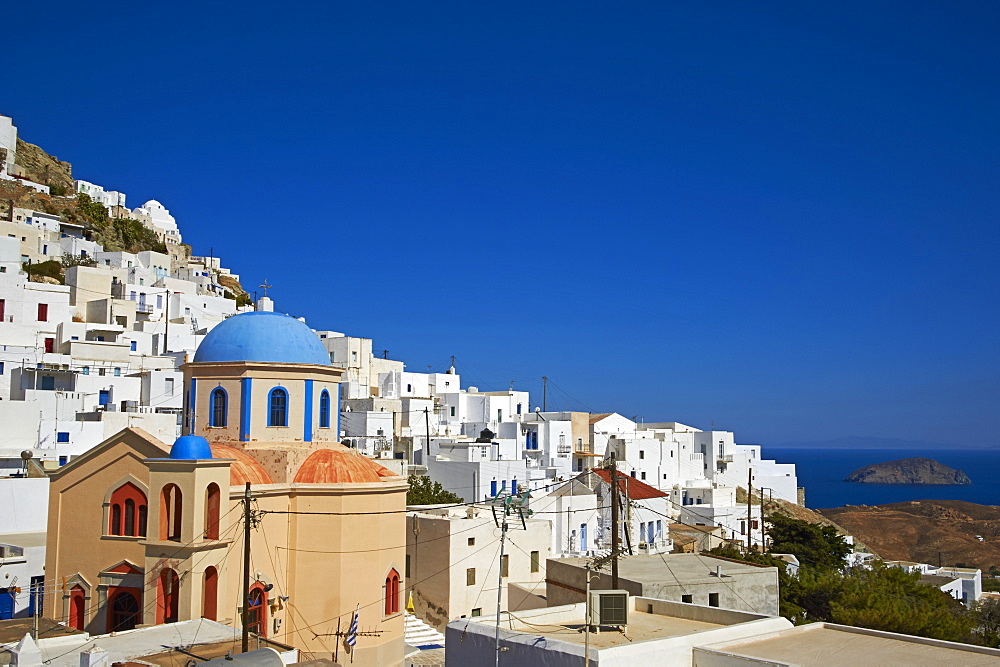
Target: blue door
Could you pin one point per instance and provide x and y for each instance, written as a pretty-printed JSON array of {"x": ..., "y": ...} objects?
[
  {"x": 583, "y": 537},
  {"x": 104, "y": 397},
  {"x": 493, "y": 488},
  {"x": 6, "y": 603}
]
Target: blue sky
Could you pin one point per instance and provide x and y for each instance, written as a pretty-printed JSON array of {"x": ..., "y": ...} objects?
[{"x": 780, "y": 218}]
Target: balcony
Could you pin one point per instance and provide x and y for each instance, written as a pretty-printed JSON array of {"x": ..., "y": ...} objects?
[{"x": 724, "y": 458}]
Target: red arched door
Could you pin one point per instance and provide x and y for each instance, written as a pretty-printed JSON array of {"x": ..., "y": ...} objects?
[
  {"x": 167, "y": 597},
  {"x": 77, "y": 608}
]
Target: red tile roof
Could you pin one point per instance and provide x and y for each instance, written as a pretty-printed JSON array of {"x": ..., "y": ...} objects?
[
  {"x": 336, "y": 466},
  {"x": 631, "y": 487},
  {"x": 244, "y": 469}
]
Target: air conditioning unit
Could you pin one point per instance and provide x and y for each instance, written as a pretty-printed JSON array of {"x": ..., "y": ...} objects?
[{"x": 609, "y": 608}]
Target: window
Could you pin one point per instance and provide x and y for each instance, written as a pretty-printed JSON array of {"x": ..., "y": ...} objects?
[
  {"x": 505, "y": 565},
  {"x": 472, "y": 541},
  {"x": 277, "y": 407},
  {"x": 407, "y": 566},
  {"x": 168, "y": 386},
  {"x": 118, "y": 371},
  {"x": 100, "y": 371},
  {"x": 453, "y": 411},
  {"x": 470, "y": 576},
  {"x": 500, "y": 415},
  {"x": 50, "y": 345},
  {"x": 212, "y": 496},
  {"x": 133, "y": 346},
  {"x": 392, "y": 593},
  {"x": 642, "y": 475},
  {"x": 128, "y": 511},
  {"x": 324, "y": 409},
  {"x": 478, "y": 611},
  {"x": 210, "y": 604},
  {"x": 642, "y": 454},
  {"x": 63, "y": 460},
  {"x": 534, "y": 561},
  {"x": 170, "y": 513},
  {"x": 687, "y": 598},
  {"x": 219, "y": 401},
  {"x": 43, "y": 312},
  {"x": 713, "y": 599},
  {"x": 257, "y": 610},
  {"x": 124, "y": 612},
  {"x": 1, "y": 368}
]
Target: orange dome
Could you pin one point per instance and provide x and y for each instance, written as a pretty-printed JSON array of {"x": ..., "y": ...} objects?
[
  {"x": 330, "y": 466},
  {"x": 244, "y": 469}
]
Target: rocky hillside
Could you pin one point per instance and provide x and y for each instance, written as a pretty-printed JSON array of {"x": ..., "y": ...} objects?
[
  {"x": 43, "y": 168},
  {"x": 921, "y": 530},
  {"x": 908, "y": 471}
]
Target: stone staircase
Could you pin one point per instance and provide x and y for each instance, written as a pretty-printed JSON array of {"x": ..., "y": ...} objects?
[{"x": 421, "y": 635}]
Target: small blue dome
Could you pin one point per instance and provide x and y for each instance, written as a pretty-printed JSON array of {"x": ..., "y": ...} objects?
[
  {"x": 262, "y": 336},
  {"x": 190, "y": 447}
]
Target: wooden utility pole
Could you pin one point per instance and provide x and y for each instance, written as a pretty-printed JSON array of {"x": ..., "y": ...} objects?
[
  {"x": 749, "y": 509},
  {"x": 615, "y": 537},
  {"x": 245, "y": 593}
]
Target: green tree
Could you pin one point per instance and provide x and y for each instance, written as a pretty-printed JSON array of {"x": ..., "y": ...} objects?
[
  {"x": 814, "y": 545},
  {"x": 423, "y": 491},
  {"x": 987, "y": 618}
]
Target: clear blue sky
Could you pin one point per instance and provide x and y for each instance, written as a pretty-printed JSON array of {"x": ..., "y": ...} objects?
[{"x": 778, "y": 216}]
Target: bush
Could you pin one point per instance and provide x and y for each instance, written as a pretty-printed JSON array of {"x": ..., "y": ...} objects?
[{"x": 51, "y": 268}]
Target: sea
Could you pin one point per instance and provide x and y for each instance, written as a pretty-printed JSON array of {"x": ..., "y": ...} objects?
[{"x": 821, "y": 472}]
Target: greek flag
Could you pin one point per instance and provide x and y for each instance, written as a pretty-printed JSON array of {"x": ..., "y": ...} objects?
[{"x": 352, "y": 632}]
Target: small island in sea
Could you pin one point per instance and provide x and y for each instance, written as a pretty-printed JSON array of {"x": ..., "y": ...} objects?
[{"x": 908, "y": 471}]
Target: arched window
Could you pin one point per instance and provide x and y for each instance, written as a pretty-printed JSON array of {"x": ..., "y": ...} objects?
[
  {"x": 168, "y": 586},
  {"x": 210, "y": 605},
  {"x": 127, "y": 515},
  {"x": 392, "y": 593},
  {"x": 212, "y": 496},
  {"x": 130, "y": 517},
  {"x": 277, "y": 407},
  {"x": 324, "y": 409},
  {"x": 219, "y": 407},
  {"x": 116, "y": 520},
  {"x": 124, "y": 612},
  {"x": 257, "y": 610},
  {"x": 170, "y": 513},
  {"x": 77, "y": 606}
]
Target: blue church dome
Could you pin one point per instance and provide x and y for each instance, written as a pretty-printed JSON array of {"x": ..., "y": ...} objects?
[
  {"x": 190, "y": 447},
  {"x": 262, "y": 336}
]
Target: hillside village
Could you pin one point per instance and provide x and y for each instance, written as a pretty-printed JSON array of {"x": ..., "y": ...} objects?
[{"x": 152, "y": 407}]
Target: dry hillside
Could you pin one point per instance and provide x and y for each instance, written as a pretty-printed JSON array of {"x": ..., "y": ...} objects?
[{"x": 923, "y": 530}]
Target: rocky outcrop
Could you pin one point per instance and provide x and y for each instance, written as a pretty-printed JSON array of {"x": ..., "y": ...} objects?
[
  {"x": 39, "y": 166},
  {"x": 908, "y": 471}
]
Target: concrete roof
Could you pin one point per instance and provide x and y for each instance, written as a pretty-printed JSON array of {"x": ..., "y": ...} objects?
[
  {"x": 642, "y": 627},
  {"x": 199, "y": 637},
  {"x": 671, "y": 567},
  {"x": 936, "y": 580},
  {"x": 824, "y": 644},
  {"x": 33, "y": 539},
  {"x": 13, "y": 630}
]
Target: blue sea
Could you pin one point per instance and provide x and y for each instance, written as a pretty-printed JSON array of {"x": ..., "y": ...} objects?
[{"x": 821, "y": 472}]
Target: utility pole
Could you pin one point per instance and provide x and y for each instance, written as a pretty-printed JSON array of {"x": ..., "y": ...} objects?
[
  {"x": 166, "y": 330},
  {"x": 503, "y": 536},
  {"x": 615, "y": 537},
  {"x": 245, "y": 593},
  {"x": 545, "y": 394},
  {"x": 586, "y": 622},
  {"x": 749, "y": 508},
  {"x": 427, "y": 426}
]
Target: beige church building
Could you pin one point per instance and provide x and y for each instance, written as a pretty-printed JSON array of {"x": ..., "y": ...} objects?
[{"x": 141, "y": 532}]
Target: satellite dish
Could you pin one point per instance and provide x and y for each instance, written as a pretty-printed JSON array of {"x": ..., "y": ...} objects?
[
  {"x": 26, "y": 454},
  {"x": 537, "y": 409}
]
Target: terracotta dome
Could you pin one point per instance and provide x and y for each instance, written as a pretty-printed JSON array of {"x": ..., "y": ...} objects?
[
  {"x": 337, "y": 466},
  {"x": 244, "y": 469}
]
